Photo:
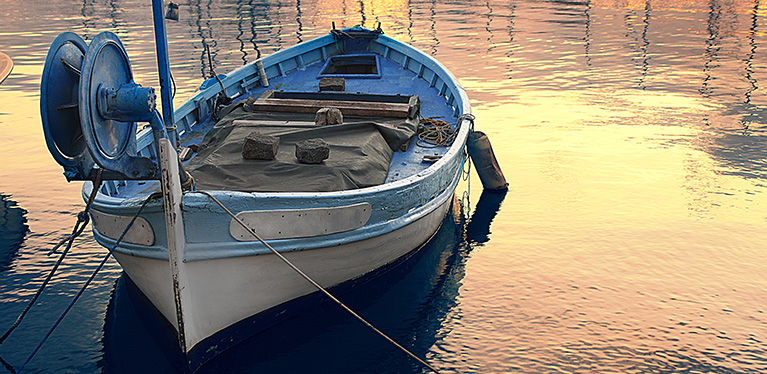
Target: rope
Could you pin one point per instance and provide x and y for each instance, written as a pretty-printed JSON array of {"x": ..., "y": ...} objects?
[
  {"x": 87, "y": 282},
  {"x": 82, "y": 222},
  {"x": 7, "y": 366},
  {"x": 173, "y": 81},
  {"x": 466, "y": 175},
  {"x": 438, "y": 133},
  {"x": 435, "y": 133},
  {"x": 338, "y": 34},
  {"x": 316, "y": 285},
  {"x": 466, "y": 167}
]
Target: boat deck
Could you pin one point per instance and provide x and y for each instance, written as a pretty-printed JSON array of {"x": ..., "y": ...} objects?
[{"x": 394, "y": 80}]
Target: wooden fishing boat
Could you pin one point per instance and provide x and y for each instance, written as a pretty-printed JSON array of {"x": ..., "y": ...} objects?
[
  {"x": 6, "y": 66},
  {"x": 380, "y": 193}
]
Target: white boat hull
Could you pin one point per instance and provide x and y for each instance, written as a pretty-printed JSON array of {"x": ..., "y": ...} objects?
[{"x": 229, "y": 290}]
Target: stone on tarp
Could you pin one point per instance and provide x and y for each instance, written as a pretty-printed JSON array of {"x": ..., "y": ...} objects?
[
  {"x": 248, "y": 104},
  {"x": 312, "y": 151},
  {"x": 328, "y": 116},
  {"x": 332, "y": 84},
  {"x": 260, "y": 146}
]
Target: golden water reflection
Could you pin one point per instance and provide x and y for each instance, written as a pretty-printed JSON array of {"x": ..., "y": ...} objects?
[{"x": 632, "y": 134}]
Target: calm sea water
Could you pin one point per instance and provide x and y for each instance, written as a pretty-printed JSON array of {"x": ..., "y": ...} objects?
[{"x": 632, "y": 239}]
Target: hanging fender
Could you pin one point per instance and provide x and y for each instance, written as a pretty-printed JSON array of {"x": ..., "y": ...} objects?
[{"x": 481, "y": 153}]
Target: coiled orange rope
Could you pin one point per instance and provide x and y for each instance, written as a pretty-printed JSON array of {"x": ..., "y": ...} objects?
[{"x": 436, "y": 133}]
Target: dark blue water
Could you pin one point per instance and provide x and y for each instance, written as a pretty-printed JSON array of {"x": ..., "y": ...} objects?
[{"x": 632, "y": 239}]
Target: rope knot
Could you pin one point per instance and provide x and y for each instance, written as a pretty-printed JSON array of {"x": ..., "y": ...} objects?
[{"x": 83, "y": 216}]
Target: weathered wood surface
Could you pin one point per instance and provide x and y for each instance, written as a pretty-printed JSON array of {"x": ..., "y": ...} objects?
[{"x": 267, "y": 102}]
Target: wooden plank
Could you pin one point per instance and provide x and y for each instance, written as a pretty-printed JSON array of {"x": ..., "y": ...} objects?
[
  {"x": 248, "y": 122},
  {"x": 363, "y": 108},
  {"x": 267, "y": 94},
  {"x": 346, "y": 107}
]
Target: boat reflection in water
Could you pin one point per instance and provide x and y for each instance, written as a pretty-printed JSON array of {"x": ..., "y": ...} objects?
[
  {"x": 409, "y": 302},
  {"x": 13, "y": 229}
]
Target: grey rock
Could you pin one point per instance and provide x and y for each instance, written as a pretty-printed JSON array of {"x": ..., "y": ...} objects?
[
  {"x": 312, "y": 151},
  {"x": 247, "y": 105},
  {"x": 260, "y": 146},
  {"x": 328, "y": 116}
]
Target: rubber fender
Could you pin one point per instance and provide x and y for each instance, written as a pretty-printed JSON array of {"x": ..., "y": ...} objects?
[{"x": 481, "y": 153}]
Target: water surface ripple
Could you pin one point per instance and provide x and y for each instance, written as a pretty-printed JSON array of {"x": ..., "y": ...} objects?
[{"x": 632, "y": 239}]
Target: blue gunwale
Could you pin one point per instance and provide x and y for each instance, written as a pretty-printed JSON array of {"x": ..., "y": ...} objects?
[{"x": 395, "y": 203}]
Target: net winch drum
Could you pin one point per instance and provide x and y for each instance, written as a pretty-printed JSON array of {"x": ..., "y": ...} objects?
[
  {"x": 90, "y": 105},
  {"x": 59, "y": 107}
]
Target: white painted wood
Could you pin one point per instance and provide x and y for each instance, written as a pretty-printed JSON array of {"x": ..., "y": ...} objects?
[
  {"x": 262, "y": 73},
  {"x": 174, "y": 229},
  {"x": 300, "y": 223},
  {"x": 112, "y": 226},
  {"x": 228, "y": 290}
]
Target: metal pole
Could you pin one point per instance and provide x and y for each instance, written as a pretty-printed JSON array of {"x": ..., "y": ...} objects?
[{"x": 163, "y": 66}]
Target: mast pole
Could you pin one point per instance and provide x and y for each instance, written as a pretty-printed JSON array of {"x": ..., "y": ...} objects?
[{"x": 163, "y": 66}]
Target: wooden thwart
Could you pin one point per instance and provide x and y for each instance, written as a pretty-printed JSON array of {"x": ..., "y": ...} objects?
[{"x": 268, "y": 102}]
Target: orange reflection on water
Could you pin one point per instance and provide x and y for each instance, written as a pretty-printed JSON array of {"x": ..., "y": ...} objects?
[
  {"x": 349, "y": 13},
  {"x": 631, "y": 132},
  {"x": 606, "y": 240}
]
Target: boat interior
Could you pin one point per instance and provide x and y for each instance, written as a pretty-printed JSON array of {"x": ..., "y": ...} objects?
[{"x": 398, "y": 118}]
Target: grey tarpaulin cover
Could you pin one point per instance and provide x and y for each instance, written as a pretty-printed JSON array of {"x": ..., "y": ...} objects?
[{"x": 360, "y": 151}]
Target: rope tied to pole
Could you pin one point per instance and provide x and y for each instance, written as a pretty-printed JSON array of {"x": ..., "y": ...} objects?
[{"x": 317, "y": 285}]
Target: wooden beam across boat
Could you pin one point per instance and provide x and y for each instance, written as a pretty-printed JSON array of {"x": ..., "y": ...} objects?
[{"x": 366, "y": 106}]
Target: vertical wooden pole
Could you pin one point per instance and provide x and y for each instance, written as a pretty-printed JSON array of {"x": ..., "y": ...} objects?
[
  {"x": 174, "y": 227},
  {"x": 171, "y": 183}
]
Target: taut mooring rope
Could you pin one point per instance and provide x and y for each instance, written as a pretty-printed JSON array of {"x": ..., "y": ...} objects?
[
  {"x": 317, "y": 285},
  {"x": 80, "y": 225},
  {"x": 88, "y": 282}
]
